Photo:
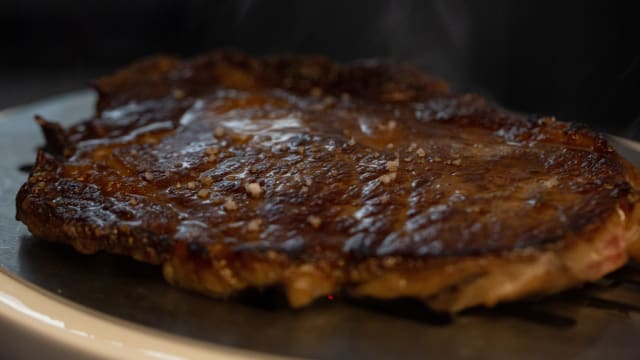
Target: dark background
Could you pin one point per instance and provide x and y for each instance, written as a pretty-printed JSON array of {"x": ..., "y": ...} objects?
[{"x": 577, "y": 60}]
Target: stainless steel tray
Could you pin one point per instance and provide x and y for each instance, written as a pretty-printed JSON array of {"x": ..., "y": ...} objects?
[{"x": 598, "y": 321}]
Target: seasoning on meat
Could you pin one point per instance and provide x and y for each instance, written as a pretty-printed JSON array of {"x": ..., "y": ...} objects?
[{"x": 368, "y": 178}]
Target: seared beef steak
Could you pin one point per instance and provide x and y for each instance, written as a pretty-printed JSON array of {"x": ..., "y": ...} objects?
[{"x": 372, "y": 178}]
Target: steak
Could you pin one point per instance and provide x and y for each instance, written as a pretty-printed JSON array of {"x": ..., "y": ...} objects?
[{"x": 365, "y": 179}]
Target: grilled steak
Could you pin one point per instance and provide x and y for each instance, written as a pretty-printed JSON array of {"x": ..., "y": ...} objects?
[{"x": 370, "y": 179}]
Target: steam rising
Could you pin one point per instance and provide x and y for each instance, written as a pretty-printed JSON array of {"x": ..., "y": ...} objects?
[
  {"x": 432, "y": 35},
  {"x": 437, "y": 44}
]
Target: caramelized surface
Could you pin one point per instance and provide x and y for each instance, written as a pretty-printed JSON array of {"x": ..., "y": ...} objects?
[{"x": 319, "y": 172}]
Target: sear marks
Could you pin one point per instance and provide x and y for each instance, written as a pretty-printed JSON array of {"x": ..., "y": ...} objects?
[{"x": 311, "y": 168}]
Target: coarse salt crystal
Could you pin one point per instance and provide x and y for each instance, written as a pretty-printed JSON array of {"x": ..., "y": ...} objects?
[{"x": 254, "y": 189}]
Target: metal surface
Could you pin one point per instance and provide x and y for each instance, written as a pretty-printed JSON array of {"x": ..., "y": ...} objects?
[{"x": 598, "y": 321}]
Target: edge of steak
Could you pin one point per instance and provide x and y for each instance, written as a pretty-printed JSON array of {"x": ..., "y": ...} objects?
[{"x": 368, "y": 178}]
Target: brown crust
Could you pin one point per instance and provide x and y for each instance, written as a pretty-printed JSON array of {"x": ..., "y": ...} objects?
[{"x": 238, "y": 172}]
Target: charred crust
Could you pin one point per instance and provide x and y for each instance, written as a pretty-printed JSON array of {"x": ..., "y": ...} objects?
[
  {"x": 144, "y": 79},
  {"x": 325, "y": 206},
  {"x": 198, "y": 250},
  {"x": 573, "y": 127},
  {"x": 57, "y": 141},
  {"x": 621, "y": 190}
]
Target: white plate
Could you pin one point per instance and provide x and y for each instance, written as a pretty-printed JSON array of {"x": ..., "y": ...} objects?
[{"x": 37, "y": 324}]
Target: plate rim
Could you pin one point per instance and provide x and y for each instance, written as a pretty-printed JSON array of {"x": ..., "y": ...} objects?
[{"x": 47, "y": 317}]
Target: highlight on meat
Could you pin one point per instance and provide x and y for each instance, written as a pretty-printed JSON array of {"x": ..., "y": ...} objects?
[{"x": 361, "y": 179}]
